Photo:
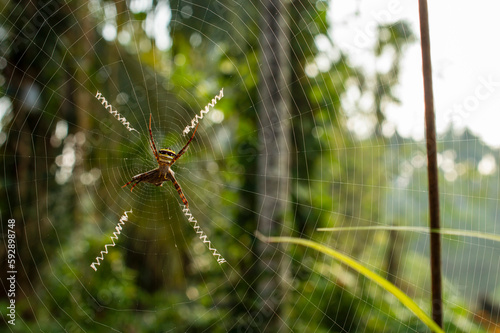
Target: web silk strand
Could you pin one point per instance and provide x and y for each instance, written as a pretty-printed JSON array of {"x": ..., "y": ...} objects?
[
  {"x": 203, "y": 236},
  {"x": 118, "y": 229},
  {"x": 115, "y": 113},
  {"x": 197, "y": 118}
]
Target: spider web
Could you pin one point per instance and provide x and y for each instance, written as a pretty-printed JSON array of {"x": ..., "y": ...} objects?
[{"x": 66, "y": 159}]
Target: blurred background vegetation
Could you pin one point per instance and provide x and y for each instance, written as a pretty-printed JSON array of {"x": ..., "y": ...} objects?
[{"x": 275, "y": 155}]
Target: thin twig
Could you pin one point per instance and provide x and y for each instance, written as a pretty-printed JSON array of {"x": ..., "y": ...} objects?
[{"x": 432, "y": 171}]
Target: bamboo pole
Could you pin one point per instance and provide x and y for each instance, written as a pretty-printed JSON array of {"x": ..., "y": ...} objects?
[{"x": 432, "y": 171}]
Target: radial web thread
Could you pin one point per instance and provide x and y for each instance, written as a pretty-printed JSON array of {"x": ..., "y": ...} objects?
[
  {"x": 118, "y": 229},
  {"x": 197, "y": 118},
  {"x": 115, "y": 113}
]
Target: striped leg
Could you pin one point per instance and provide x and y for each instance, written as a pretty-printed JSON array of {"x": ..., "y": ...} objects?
[
  {"x": 152, "y": 176},
  {"x": 152, "y": 142},
  {"x": 179, "y": 190},
  {"x": 183, "y": 150},
  {"x": 137, "y": 182}
]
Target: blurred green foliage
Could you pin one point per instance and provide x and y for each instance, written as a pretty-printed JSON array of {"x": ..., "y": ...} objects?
[{"x": 336, "y": 180}]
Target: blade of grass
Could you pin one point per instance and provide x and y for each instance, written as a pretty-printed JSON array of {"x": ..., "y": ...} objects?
[
  {"x": 386, "y": 285},
  {"x": 444, "y": 231}
]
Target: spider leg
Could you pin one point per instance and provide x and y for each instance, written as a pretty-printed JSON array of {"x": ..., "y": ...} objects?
[
  {"x": 134, "y": 186},
  {"x": 183, "y": 150},
  {"x": 152, "y": 142},
  {"x": 137, "y": 182},
  {"x": 127, "y": 183},
  {"x": 151, "y": 176},
  {"x": 179, "y": 190}
]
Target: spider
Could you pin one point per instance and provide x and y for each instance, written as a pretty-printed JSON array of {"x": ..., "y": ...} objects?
[{"x": 165, "y": 157}]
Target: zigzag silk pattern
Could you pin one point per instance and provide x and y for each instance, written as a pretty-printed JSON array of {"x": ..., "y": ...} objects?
[
  {"x": 203, "y": 236},
  {"x": 115, "y": 113},
  {"x": 118, "y": 229},
  {"x": 197, "y": 118}
]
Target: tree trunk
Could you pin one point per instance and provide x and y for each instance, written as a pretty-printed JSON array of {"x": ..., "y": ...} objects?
[
  {"x": 274, "y": 159},
  {"x": 83, "y": 98}
]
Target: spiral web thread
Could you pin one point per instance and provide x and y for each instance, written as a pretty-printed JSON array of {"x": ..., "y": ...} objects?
[
  {"x": 115, "y": 113},
  {"x": 197, "y": 118},
  {"x": 118, "y": 228},
  {"x": 203, "y": 236}
]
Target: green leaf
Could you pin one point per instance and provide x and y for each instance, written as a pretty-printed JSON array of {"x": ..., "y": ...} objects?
[
  {"x": 442, "y": 231},
  {"x": 388, "y": 286}
]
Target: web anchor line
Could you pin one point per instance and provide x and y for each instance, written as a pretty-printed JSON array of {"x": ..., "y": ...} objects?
[
  {"x": 203, "y": 236},
  {"x": 115, "y": 113},
  {"x": 118, "y": 229},
  {"x": 197, "y": 118}
]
